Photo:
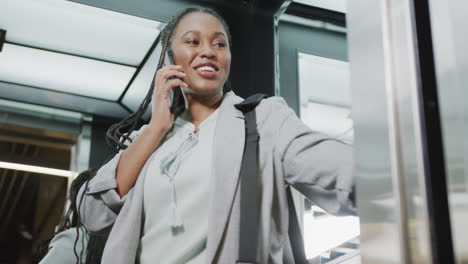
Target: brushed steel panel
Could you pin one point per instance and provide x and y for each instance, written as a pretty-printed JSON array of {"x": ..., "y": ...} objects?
[
  {"x": 388, "y": 136},
  {"x": 402, "y": 73},
  {"x": 448, "y": 23},
  {"x": 376, "y": 197}
]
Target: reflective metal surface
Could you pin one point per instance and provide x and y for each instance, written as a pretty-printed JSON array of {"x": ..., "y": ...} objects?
[
  {"x": 390, "y": 174},
  {"x": 402, "y": 89},
  {"x": 376, "y": 196},
  {"x": 448, "y": 22}
]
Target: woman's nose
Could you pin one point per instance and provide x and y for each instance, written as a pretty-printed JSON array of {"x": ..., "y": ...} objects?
[{"x": 207, "y": 51}]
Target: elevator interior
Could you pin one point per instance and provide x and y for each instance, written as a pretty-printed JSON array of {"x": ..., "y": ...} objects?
[{"x": 359, "y": 71}]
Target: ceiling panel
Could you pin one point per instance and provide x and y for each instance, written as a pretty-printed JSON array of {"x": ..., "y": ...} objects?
[
  {"x": 78, "y": 29},
  {"x": 61, "y": 100},
  {"x": 63, "y": 73}
]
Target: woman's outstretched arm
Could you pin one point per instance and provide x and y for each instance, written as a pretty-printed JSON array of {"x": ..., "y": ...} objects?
[{"x": 320, "y": 167}]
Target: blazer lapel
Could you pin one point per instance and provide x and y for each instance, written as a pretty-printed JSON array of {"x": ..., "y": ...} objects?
[{"x": 228, "y": 149}]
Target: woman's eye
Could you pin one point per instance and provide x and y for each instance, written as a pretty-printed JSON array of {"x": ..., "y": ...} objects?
[
  {"x": 220, "y": 44},
  {"x": 192, "y": 41}
]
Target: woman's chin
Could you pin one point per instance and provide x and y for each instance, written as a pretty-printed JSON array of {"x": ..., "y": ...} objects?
[{"x": 203, "y": 90}]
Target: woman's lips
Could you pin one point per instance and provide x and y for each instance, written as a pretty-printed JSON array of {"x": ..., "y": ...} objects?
[{"x": 206, "y": 73}]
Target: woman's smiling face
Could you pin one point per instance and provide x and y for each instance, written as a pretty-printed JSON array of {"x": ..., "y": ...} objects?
[{"x": 200, "y": 45}]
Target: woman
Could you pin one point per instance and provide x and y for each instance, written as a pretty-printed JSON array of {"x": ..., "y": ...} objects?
[{"x": 172, "y": 195}]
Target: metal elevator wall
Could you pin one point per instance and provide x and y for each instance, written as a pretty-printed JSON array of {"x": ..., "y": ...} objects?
[
  {"x": 403, "y": 79},
  {"x": 448, "y": 22}
]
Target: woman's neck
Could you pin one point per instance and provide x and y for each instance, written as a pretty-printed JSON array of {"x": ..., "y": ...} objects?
[{"x": 201, "y": 107}]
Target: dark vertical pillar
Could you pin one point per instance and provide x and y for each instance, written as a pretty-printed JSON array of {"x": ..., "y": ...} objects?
[
  {"x": 100, "y": 152},
  {"x": 252, "y": 68},
  {"x": 436, "y": 176}
]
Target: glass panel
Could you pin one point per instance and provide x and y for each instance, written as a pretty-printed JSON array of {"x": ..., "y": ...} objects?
[
  {"x": 325, "y": 102},
  {"x": 78, "y": 29},
  {"x": 64, "y": 73}
]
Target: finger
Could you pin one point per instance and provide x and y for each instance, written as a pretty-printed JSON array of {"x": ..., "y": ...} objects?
[
  {"x": 173, "y": 67},
  {"x": 172, "y": 73},
  {"x": 169, "y": 68},
  {"x": 167, "y": 72},
  {"x": 166, "y": 68},
  {"x": 170, "y": 84},
  {"x": 173, "y": 83}
]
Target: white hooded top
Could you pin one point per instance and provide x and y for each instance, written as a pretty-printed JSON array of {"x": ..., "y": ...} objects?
[{"x": 176, "y": 195}]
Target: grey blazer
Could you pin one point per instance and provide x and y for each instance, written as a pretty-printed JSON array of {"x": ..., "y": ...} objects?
[{"x": 289, "y": 154}]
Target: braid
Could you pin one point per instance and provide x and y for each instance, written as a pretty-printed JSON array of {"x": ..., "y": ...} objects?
[{"x": 120, "y": 132}]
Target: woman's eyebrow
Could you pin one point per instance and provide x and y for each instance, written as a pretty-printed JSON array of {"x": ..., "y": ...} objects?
[
  {"x": 220, "y": 33},
  {"x": 198, "y": 32},
  {"x": 191, "y": 31}
]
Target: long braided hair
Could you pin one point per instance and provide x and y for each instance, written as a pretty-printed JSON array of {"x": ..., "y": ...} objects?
[
  {"x": 69, "y": 220},
  {"x": 118, "y": 133}
]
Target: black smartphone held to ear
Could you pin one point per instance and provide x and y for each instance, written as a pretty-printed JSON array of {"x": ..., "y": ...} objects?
[{"x": 177, "y": 100}]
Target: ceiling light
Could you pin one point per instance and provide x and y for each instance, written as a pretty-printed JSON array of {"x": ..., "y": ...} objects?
[
  {"x": 78, "y": 29},
  {"x": 64, "y": 73},
  {"x": 37, "y": 169}
]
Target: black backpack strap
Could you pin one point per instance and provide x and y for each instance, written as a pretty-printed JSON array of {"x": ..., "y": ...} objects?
[
  {"x": 249, "y": 211},
  {"x": 250, "y": 103}
]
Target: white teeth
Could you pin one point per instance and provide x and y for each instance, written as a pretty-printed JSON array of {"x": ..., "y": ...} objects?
[{"x": 206, "y": 68}]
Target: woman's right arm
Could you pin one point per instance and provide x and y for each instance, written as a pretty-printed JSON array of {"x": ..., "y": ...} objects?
[
  {"x": 100, "y": 201},
  {"x": 135, "y": 156}
]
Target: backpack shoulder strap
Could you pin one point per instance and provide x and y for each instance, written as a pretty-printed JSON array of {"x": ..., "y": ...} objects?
[
  {"x": 250, "y": 103},
  {"x": 249, "y": 211}
]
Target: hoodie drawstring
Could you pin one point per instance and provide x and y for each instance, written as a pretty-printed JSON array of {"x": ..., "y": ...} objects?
[{"x": 169, "y": 166}]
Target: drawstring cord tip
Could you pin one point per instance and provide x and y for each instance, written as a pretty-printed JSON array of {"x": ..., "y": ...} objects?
[{"x": 176, "y": 221}]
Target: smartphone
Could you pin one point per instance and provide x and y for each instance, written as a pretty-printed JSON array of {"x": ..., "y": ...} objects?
[{"x": 177, "y": 101}]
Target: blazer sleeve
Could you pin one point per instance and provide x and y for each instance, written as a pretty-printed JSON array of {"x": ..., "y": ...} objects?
[
  {"x": 98, "y": 201},
  {"x": 319, "y": 167}
]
